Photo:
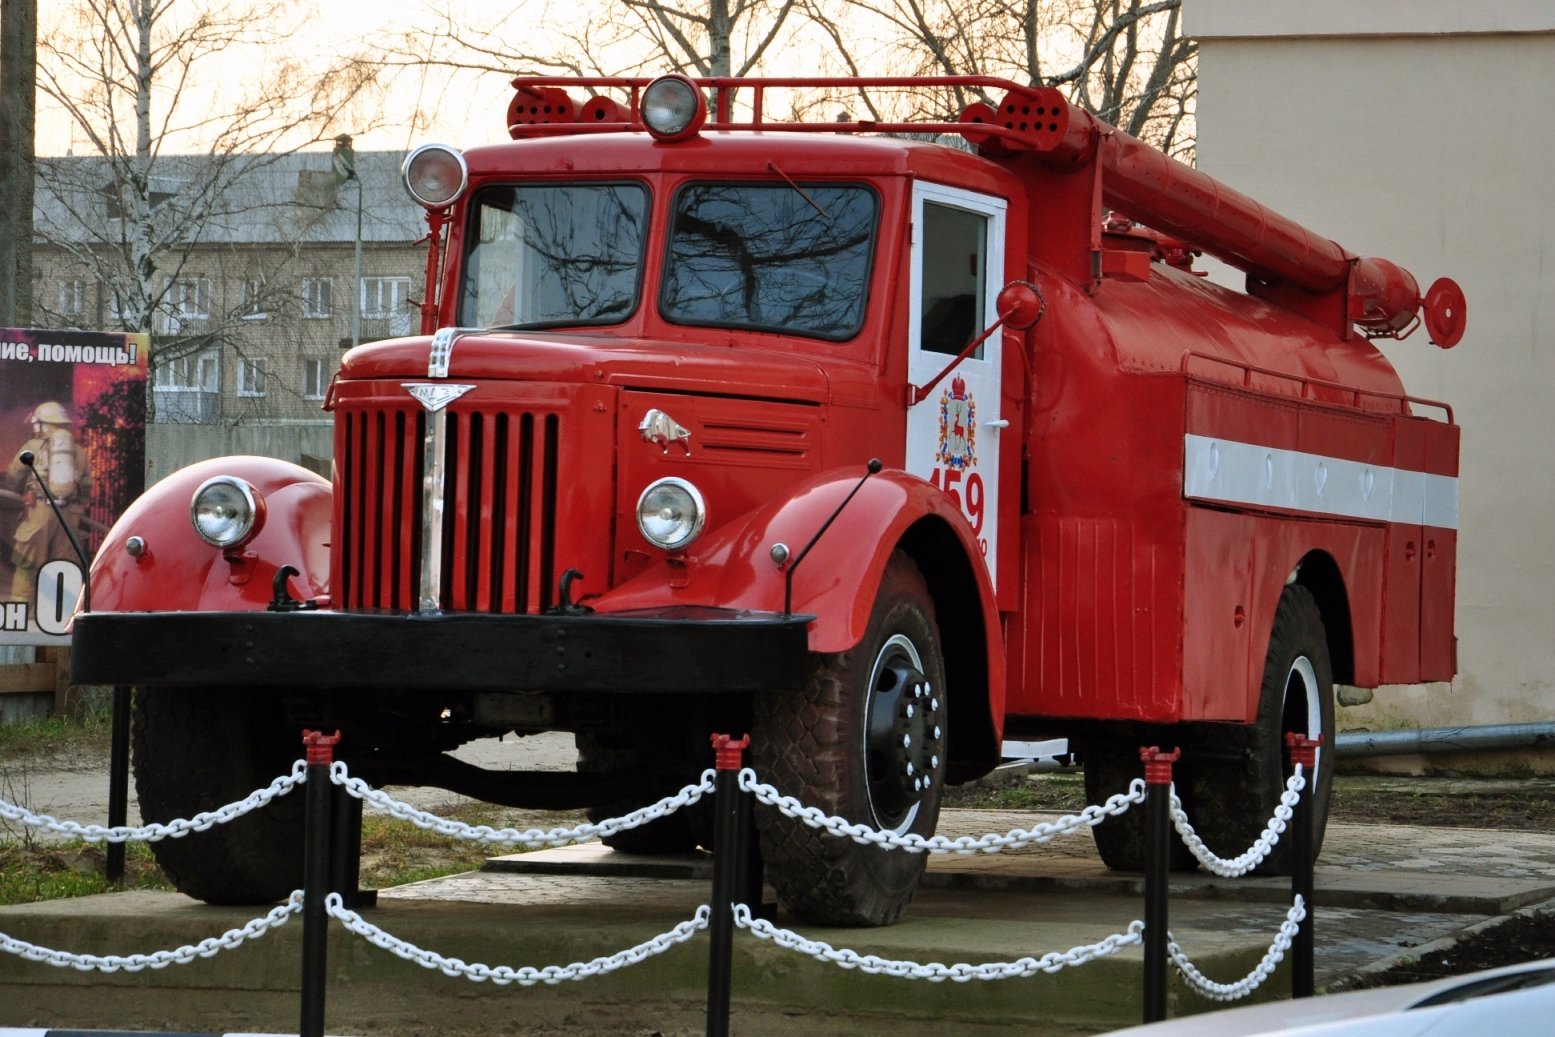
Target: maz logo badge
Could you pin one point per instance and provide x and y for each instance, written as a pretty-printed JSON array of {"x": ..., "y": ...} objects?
[{"x": 435, "y": 396}]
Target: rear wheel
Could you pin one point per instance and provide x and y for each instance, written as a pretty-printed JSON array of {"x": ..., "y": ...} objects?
[
  {"x": 680, "y": 832},
  {"x": 196, "y": 749},
  {"x": 1235, "y": 793},
  {"x": 865, "y": 740},
  {"x": 1120, "y": 840}
]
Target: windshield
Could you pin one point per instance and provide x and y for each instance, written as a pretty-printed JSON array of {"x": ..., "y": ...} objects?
[
  {"x": 774, "y": 257},
  {"x": 548, "y": 255}
]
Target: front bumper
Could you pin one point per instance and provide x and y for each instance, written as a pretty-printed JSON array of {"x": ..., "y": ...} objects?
[{"x": 691, "y": 651}]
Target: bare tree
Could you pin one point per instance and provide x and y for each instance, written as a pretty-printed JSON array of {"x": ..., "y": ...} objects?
[
  {"x": 1125, "y": 60},
  {"x": 140, "y": 80},
  {"x": 629, "y": 37},
  {"x": 700, "y": 39}
]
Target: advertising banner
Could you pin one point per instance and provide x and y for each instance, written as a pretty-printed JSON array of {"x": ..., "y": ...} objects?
[{"x": 73, "y": 404}]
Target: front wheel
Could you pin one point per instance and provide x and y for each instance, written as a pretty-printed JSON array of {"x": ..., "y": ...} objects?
[
  {"x": 196, "y": 749},
  {"x": 1235, "y": 793},
  {"x": 865, "y": 741}
]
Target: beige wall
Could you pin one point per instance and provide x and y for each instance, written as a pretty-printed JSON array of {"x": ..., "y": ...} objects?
[{"x": 1424, "y": 133}]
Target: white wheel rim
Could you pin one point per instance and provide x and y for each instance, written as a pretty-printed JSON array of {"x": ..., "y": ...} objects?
[
  {"x": 1303, "y": 670},
  {"x": 905, "y": 645}
]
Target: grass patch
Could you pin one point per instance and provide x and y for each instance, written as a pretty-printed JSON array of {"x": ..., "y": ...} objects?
[
  {"x": 396, "y": 852},
  {"x": 1064, "y": 793},
  {"x": 54, "y": 871},
  {"x": 1461, "y": 803},
  {"x": 40, "y": 737}
]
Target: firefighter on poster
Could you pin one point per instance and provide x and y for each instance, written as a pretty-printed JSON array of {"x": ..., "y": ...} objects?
[
  {"x": 72, "y": 427},
  {"x": 54, "y": 458}
]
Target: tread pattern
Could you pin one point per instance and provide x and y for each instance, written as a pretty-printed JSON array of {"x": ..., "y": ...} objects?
[
  {"x": 1121, "y": 841},
  {"x": 1235, "y": 800},
  {"x": 197, "y": 748},
  {"x": 810, "y": 745}
]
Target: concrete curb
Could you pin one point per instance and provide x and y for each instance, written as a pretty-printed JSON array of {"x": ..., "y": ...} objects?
[{"x": 1362, "y": 975}]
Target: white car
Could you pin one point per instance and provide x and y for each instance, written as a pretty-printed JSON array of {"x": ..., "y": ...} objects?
[{"x": 1516, "y": 1001}]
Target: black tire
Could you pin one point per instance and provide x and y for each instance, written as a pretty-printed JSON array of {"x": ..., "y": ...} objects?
[
  {"x": 196, "y": 749},
  {"x": 838, "y": 745},
  {"x": 1120, "y": 840},
  {"x": 1235, "y": 797},
  {"x": 680, "y": 832}
]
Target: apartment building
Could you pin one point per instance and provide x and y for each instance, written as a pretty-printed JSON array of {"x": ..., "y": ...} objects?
[{"x": 258, "y": 268}]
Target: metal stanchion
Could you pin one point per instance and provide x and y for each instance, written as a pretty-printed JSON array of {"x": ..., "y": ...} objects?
[
  {"x": 1303, "y": 750},
  {"x": 345, "y": 852},
  {"x": 118, "y": 780},
  {"x": 315, "y": 879},
  {"x": 1158, "y": 830},
  {"x": 730, "y": 809}
]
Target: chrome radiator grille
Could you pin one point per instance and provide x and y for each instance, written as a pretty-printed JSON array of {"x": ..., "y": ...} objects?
[{"x": 498, "y": 502}]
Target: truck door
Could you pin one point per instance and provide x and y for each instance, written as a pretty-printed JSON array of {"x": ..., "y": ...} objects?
[{"x": 953, "y": 434}]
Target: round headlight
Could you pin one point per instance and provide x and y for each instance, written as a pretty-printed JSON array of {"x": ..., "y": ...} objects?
[
  {"x": 673, "y": 108},
  {"x": 435, "y": 175},
  {"x": 226, "y": 512},
  {"x": 670, "y": 514}
]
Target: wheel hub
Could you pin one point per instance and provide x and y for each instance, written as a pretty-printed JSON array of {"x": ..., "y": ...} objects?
[{"x": 905, "y": 744}]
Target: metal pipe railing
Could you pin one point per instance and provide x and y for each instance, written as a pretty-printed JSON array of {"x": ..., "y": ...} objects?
[{"x": 1428, "y": 740}]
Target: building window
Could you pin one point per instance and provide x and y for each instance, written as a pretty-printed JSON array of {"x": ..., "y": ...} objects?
[
  {"x": 186, "y": 301},
  {"x": 118, "y": 302},
  {"x": 384, "y": 296},
  {"x": 197, "y": 372},
  {"x": 317, "y": 297},
  {"x": 315, "y": 379},
  {"x": 72, "y": 298},
  {"x": 251, "y": 377},
  {"x": 251, "y": 299},
  {"x": 387, "y": 299}
]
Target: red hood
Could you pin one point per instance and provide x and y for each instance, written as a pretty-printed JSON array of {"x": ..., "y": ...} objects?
[{"x": 600, "y": 360}]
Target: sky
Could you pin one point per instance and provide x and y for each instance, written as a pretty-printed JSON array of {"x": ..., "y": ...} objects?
[
  {"x": 423, "y": 108},
  {"x": 470, "y": 114}
]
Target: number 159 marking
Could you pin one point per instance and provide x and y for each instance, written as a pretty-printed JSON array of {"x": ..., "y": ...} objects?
[{"x": 952, "y": 482}]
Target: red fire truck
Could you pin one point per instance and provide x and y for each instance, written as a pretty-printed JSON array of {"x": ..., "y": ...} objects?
[{"x": 885, "y": 442}]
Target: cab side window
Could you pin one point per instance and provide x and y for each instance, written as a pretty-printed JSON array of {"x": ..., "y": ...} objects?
[{"x": 955, "y": 266}]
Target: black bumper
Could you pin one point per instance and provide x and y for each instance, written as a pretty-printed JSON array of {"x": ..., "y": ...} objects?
[{"x": 693, "y": 651}]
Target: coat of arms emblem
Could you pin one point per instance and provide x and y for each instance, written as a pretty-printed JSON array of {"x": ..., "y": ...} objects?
[{"x": 957, "y": 426}]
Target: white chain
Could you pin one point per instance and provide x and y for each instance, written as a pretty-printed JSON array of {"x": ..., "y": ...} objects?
[
  {"x": 531, "y": 837},
  {"x": 934, "y": 971},
  {"x": 1015, "y": 839},
  {"x": 526, "y": 976},
  {"x": 552, "y": 974},
  {"x": 156, "y": 830},
  {"x": 1233, "y": 867},
  {"x": 1250, "y": 982},
  {"x": 206, "y": 948}
]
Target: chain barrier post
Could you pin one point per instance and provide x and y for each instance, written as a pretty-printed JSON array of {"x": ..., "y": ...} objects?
[
  {"x": 1303, "y": 750},
  {"x": 1158, "y": 831},
  {"x": 320, "y": 749},
  {"x": 345, "y": 851},
  {"x": 118, "y": 781},
  {"x": 728, "y": 876}
]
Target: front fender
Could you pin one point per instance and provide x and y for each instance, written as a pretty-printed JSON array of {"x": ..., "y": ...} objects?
[
  {"x": 177, "y": 571},
  {"x": 836, "y": 583},
  {"x": 733, "y": 566}
]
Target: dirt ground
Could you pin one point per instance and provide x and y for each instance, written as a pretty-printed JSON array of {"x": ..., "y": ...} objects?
[{"x": 73, "y": 784}]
